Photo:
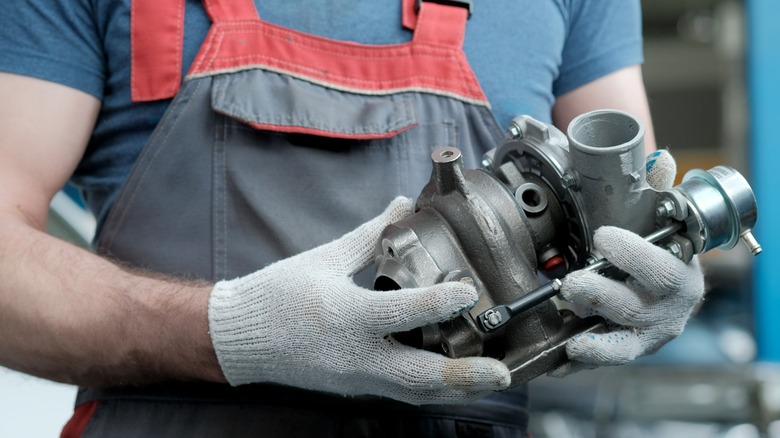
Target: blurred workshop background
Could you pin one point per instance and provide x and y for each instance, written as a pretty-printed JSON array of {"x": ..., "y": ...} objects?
[{"x": 712, "y": 70}]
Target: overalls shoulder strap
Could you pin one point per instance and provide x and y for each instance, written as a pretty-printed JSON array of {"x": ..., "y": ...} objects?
[
  {"x": 157, "y": 35},
  {"x": 156, "y": 39},
  {"x": 436, "y": 23},
  {"x": 231, "y": 10}
]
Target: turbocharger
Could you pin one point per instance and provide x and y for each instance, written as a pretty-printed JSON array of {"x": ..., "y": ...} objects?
[{"x": 527, "y": 218}]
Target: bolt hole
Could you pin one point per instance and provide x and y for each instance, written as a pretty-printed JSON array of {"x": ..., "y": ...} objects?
[
  {"x": 447, "y": 154},
  {"x": 532, "y": 198},
  {"x": 390, "y": 252}
]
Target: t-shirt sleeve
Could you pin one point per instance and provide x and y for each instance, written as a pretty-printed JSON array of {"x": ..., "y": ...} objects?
[
  {"x": 603, "y": 36},
  {"x": 54, "y": 40}
]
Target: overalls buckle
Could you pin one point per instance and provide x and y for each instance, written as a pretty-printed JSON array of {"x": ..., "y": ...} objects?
[{"x": 467, "y": 4}]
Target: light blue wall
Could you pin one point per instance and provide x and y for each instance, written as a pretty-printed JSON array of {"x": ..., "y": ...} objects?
[
  {"x": 32, "y": 407},
  {"x": 764, "y": 89}
]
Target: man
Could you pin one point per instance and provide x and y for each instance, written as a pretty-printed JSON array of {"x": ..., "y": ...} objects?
[{"x": 277, "y": 143}]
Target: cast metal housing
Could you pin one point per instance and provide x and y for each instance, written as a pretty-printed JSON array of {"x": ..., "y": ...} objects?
[{"x": 534, "y": 208}]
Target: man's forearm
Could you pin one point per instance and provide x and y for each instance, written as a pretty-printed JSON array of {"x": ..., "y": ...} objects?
[{"x": 71, "y": 316}]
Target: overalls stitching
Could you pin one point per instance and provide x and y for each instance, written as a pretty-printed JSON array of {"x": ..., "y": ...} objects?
[{"x": 413, "y": 49}]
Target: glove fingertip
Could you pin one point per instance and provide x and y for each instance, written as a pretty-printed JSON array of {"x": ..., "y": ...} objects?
[
  {"x": 576, "y": 285},
  {"x": 399, "y": 208},
  {"x": 479, "y": 373},
  {"x": 460, "y": 296},
  {"x": 406, "y": 309},
  {"x": 661, "y": 169},
  {"x": 495, "y": 374}
]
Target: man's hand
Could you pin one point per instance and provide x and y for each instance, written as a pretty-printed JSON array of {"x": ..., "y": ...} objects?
[
  {"x": 647, "y": 310},
  {"x": 303, "y": 322}
]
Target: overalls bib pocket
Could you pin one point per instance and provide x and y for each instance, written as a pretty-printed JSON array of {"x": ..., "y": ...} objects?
[{"x": 274, "y": 102}]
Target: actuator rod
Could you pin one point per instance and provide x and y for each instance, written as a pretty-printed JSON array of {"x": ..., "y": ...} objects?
[{"x": 492, "y": 319}]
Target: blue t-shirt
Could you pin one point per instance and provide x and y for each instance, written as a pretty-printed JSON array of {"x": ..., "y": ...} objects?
[{"x": 525, "y": 53}]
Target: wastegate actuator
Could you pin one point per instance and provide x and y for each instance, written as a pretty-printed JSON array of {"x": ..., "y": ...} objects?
[{"x": 534, "y": 207}]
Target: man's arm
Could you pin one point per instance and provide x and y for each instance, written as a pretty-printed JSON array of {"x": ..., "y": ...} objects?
[
  {"x": 622, "y": 90},
  {"x": 65, "y": 313},
  {"x": 68, "y": 315}
]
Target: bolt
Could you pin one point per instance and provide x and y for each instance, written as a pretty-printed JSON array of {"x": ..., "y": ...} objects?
[
  {"x": 666, "y": 209},
  {"x": 492, "y": 318},
  {"x": 487, "y": 162},
  {"x": 633, "y": 177},
  {"x": 675, "y": 249},
  {"x": 515, "y": 131},
  {"x": 568, "y": 180}
]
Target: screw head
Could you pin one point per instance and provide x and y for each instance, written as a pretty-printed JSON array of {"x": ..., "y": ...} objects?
[
  {"x": 666, "y": 209},
  {"x": 515, "y": 131},
  {"x": 675, "y": 249},
  {"x": 493, "y": 318},
  {"x": 568, "y": 180}
]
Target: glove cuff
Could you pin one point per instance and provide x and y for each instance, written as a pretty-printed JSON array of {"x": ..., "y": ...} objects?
[{"x": 239, "y": 332}]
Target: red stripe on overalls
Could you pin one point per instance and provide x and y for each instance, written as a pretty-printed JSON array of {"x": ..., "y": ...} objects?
[
  {"x": 320, "y": 132},
  {"x": 432, "y": 62},
  {"x": 75, "y": 427}
]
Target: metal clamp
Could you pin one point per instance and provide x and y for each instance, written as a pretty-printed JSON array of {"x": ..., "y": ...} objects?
[{"x": 466, "y": 4}]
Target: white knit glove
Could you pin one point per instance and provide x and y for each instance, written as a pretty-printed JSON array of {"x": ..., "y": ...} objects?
[
  {"x": 303, "y": 322},
  {"x": 647, "y": 310}
]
